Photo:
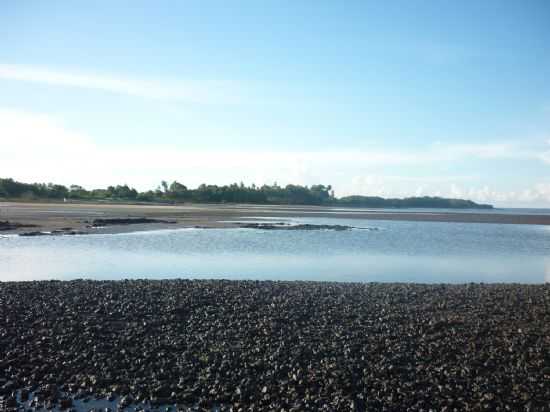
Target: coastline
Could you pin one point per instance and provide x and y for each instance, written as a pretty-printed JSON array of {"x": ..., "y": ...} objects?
[
  {"x": 48, "y": 217},
  {"x": 276, "y": 345}
]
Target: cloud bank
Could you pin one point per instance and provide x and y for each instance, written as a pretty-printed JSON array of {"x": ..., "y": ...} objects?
[{"x": 37, "y": 147}]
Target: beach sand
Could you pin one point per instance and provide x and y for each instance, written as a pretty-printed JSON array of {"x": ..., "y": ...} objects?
[{"x": 78, "y": 216}]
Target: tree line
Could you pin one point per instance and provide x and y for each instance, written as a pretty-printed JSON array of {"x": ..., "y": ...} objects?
[
  {"x": 235, "y": 193},
  {"x": 174, "y": 192}
]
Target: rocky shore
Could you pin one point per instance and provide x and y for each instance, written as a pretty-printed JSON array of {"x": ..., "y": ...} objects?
[
  {"x": 287, "y": 226},
  {"x": 126, "y": 221},
  {"x": 281, "y": 346},
  {"x": 7, "y": 225}
]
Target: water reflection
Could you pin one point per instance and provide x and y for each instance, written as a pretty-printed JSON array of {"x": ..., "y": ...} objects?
[{"x": 399, "y": 251}]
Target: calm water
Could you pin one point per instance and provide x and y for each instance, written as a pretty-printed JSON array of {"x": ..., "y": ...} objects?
[{"x": 394, "y": 251}]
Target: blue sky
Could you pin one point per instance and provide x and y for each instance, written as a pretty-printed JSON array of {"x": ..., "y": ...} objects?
[{"x": 382, "y": 98}]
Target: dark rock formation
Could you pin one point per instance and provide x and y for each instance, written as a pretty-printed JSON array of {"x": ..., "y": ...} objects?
[
  {"x": 34, "y": 233},
  {"x": 126, "y": 221},
  {"x": 283, "y": 226},
  {"x": 57, "y": 232},
  {"x": 7, "y": 225}
]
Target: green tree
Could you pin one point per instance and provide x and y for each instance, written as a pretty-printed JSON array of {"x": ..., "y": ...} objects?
[{"x": 177, "y": 191}]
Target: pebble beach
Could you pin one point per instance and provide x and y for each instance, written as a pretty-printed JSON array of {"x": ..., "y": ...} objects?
[{"x": 205, "y": 345}]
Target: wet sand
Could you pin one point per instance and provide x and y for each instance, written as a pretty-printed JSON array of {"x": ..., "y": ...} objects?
[
  {"x": 275, "y": 346},
  {"x": 77, "y": 216}
]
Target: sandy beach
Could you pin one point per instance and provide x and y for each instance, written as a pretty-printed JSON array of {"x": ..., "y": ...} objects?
[{"x": 78, "y": 216}]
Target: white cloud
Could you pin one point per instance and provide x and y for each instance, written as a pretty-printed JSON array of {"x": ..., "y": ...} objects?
[
  {"x": 37, "y": 147},
  {"x": 192, "y": 91},
  {"x": 463, "y": 187},
  {"x": 539, "y": 193},
  {"x": 401, "y": 186}
]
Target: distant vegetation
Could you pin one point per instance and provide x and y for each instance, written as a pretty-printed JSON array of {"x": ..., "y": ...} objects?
[
  {"x": 416, "y": 202},
  {"x": 234, "y": 193}
]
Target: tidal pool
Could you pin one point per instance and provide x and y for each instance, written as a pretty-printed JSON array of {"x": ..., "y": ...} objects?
[{"x": 390, "y": 251}]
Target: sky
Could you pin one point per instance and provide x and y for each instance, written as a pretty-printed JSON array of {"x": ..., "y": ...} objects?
[{"x": 387, "y": 98}]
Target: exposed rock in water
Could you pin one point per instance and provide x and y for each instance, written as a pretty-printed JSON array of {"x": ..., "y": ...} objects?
[
  {"x": 34, "y": 233},
  {"x": 126, "y": 221},
  {"x": 283, "y": 226},
  {"x": 57, "y": 232},
  {"x": 7, "y": 225},
  {"x": 290, "y": 346}
]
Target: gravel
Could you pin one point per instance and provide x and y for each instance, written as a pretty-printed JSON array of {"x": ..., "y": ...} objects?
[{"x": 281, "y": 346}]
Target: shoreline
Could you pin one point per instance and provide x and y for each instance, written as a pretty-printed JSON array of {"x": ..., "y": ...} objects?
[
  {"x": 276, "y": 345},
  {"x": 48, "y": 217}
]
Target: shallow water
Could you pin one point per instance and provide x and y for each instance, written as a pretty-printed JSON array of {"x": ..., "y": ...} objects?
[
  {"x": 100, "y": 405},
  {"x": 394, "y": 251}
]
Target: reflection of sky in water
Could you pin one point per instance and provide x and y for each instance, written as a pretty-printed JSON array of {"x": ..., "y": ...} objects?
[{"x": 398, "y": 251}]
